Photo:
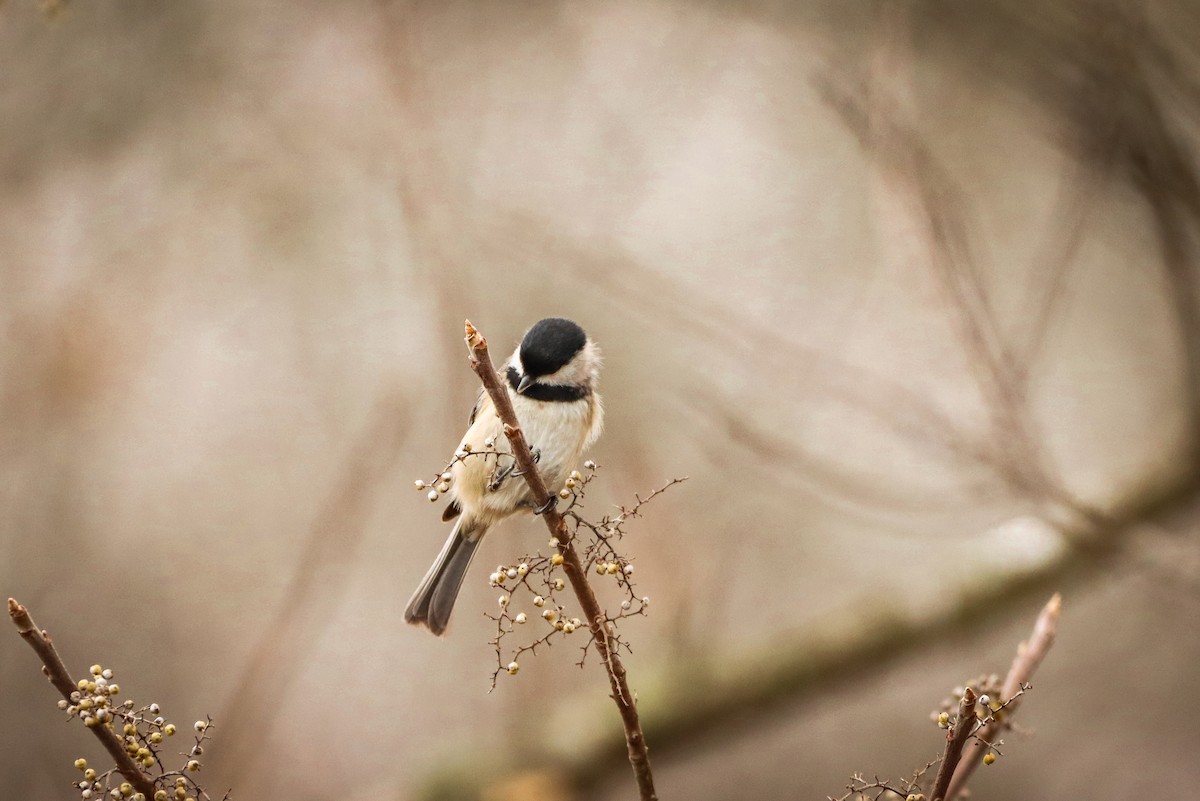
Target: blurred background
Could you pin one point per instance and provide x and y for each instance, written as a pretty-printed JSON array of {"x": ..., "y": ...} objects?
[{"x": 908, "y": 290}]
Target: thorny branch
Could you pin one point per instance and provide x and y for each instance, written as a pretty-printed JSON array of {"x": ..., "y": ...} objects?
[
  {"x": 601, "y": 629},
  {"x": 536, "y": 576},
  {"x": 56, "y": 672}
]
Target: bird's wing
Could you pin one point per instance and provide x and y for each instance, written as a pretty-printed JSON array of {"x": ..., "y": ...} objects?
[{"x": 479, "y": 401}]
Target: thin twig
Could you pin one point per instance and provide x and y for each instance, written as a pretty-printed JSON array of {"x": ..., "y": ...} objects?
[
  {"x": 956, "y": 739},
  {"x": 54, "y": 669},
  {"x": 1029, "y": 655},
  {"x": 606, "y": 645}
]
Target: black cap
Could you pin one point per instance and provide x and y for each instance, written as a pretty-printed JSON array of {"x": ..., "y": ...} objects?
[{"x": 549, "y": 345}]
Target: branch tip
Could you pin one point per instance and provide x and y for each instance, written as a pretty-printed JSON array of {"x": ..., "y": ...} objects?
[
  {"x": 20, "y": 616},
  {"x": 475, "y": 340}
]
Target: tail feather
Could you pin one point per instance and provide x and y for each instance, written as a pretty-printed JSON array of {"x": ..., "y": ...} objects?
[{"x": 434, "y": 599}]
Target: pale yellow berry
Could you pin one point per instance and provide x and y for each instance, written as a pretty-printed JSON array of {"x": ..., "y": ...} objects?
[
  {"x": 612, "y": 568},
  {"x": 559, "y": 584},
  {"x": 556, "y": 560},
  {"x": 503, "y": 601},
  {"x": 96, "y": 670},
  {"x": 513, "y": 667},
  {"x": 539, "y": 600},
  {"x": 522, "y": 569},
  {"x": 568, "y": 627},
  {"x": 81, "y": 764},
  {"x": 521, "y": 617},
  {"x": 433, "y": 495},
  {"x": 564, "y": 493},
  {"x": 989, "y": 758},
  {"x": 550, "y": 614}
]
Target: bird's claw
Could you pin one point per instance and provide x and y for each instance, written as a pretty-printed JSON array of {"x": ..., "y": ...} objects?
[
  {"x": 537, "y": 457},
  {"x": 550, "y": 503},
  {"x": 499, "y": 476}
]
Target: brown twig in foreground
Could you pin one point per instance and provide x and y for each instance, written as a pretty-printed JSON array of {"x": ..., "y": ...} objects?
[
  {"x": 639, "y": 758},
  {"x": 956, "y": 739},
  {"x": 56, "y": 672},
  {"x": 1029, "y": 655}
]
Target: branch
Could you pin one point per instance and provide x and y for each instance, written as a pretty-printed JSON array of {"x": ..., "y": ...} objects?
[
  {"x": 602, "y": 635},
  {"x": 54, "y": 669},
  {"x": 956, "y": 738},
  {"x": 1029, "y": 655}
]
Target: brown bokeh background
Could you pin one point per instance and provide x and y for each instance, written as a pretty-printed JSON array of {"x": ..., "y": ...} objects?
[{"x": 909, "y": 291}]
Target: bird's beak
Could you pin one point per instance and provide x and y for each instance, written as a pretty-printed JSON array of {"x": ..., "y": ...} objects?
[{"x": 526, "y": 381}]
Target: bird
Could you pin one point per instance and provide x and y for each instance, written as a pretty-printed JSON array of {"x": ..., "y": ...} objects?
[{"x": 551, "y": 378}]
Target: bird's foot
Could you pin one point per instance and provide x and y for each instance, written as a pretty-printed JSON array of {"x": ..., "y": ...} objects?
[{"x": 537, "y": 457}]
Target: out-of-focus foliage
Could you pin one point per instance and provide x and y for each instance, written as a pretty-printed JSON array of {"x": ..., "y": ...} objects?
[{"x": 900, "y": 287}]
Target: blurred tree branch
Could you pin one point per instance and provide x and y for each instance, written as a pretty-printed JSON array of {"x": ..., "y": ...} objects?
[{"x": 817, "y": 663}]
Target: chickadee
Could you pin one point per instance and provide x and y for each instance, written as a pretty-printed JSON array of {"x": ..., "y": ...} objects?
[{"x": 551, "y": 379}]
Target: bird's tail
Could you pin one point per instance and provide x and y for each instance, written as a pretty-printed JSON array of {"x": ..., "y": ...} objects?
[{"x": 434, "y": 599}]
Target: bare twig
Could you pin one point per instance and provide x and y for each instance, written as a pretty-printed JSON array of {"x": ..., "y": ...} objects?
[
  {"x": 1029, "y": 655},
  {"x": 602, "y": 635},
  {"x": 54, "y": 669},
  {"x": 956, "y": 739}
]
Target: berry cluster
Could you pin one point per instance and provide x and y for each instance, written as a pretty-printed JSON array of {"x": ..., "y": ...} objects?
[
  {"x": 142, "y": 732},
  {"x": 540, "y": 580},
  {"x": 503, "y": 466}
]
